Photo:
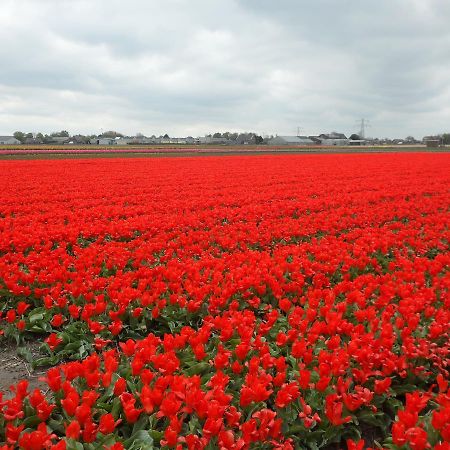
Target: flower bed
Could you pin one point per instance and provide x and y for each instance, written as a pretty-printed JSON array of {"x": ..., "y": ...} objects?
[{"x": 228, "y": 302}]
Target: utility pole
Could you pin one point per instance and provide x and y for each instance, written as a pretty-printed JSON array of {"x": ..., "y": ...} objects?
[{"x": 363, "y": 124}]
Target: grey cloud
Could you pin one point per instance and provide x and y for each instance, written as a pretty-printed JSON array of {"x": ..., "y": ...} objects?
[{"x": 193, "y": 66}]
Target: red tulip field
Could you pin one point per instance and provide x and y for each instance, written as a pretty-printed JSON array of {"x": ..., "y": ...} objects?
[{"x": 228, "y": 302}]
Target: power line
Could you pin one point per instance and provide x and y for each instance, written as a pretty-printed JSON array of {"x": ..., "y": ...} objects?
[{"x": 363, "y": 124}]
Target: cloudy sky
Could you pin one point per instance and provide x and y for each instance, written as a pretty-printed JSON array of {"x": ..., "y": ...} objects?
[{"x": 189, "y": 67}]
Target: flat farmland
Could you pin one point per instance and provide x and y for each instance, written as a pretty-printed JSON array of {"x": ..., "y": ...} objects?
[
  {"x": 238, "y": 302},
  {"x": 11, "y": 152}
]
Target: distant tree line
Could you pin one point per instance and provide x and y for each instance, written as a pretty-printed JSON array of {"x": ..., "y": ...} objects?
[
  {"x": 42, "y": 138},
  {"x": 231, "y": 137},
  {"x": 23, "y": 137},
  {"x": 79, "y": 138},
  {"x": 248, "y": 137}
]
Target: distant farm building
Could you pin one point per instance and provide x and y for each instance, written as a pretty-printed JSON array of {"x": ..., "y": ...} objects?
[
  {"x": 214, "y": 140},
  {"x": 58, "y": 140},
  {"x": 33, "y": 141},
  {"x": 9, "y": 140},
  {"x": 432, "y": 141},
  {"x": 357, "y": 142},
  {"x": 290, "y": 140},
  {"x": 103, "y": 141},
  {"x": 333, "y": 139},
  {"x": 355, "y": 139}
]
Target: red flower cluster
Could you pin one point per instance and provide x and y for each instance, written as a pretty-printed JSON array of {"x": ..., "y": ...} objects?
[{"x": 229, "y": 302}]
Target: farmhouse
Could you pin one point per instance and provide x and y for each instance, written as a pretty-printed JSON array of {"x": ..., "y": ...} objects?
[
  {"x": 290, "y": 140},
  {"x": 333, "y": 139},
  {"x": 9, "y": 140}
]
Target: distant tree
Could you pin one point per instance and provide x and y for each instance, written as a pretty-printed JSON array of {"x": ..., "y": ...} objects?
[
  {"x": 354, "y": 137},
  {"x": 80, "y": 139},
  {"x": 20, "y": 136},
  {"x": 62, "y": 133},
  {"x": 166, "y": 136},
  {"x": 258, "y": 139},
  {"x": 217, "y": 135},
  {"x": 410, "y": 139},
  {"x": 40, "y": 136},
  {"x": 111, "y": 134},
  {"x": 234, "y": 136},
  {"x": 446, "y": 138}
]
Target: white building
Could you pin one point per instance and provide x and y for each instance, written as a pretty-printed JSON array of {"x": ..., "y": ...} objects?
[
  {"x": 290, "y": 140},
  {"x": 104, "y": 141},
  {"x": 9, "y": 140}
]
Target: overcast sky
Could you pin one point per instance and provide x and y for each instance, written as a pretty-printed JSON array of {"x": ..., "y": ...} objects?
[{"x": 189, "y": 67}]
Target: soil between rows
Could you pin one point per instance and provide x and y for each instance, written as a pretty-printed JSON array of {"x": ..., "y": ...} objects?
[{"x": 14, "y": 368}]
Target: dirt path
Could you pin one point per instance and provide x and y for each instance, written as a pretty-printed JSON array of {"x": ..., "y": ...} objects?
[{"x": 14, "y": 368}]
